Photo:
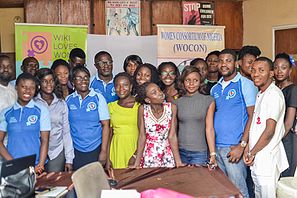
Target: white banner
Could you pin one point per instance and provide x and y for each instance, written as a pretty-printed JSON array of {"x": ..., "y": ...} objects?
[{"x": 182, "y": 43}]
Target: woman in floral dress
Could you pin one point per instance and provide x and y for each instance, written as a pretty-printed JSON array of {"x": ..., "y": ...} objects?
[{"x": 157, "y": 142}]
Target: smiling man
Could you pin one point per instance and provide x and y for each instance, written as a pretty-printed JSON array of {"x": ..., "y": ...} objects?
[
  {"x": 265, "y": 153},
  {"x": 235, "y": 98},
  {"x": 102, "y": 82}
]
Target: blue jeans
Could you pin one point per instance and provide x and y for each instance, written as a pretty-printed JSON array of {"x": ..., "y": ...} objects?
[
  {"x": 193, "y": 157},
  {"x": 235, "y": 171}
]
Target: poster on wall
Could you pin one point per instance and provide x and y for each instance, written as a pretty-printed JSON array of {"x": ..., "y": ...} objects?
[
  {"x": 47, "y": 42},
  {"x": 198, "y": 13},
  {"x": 182, "y": 43},
  {"x": 123, "y": 17}
]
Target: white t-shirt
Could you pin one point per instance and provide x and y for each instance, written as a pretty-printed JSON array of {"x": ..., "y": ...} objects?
[
  {"x": 8, "y": 96},
  {"x": 269, "y": 105}
]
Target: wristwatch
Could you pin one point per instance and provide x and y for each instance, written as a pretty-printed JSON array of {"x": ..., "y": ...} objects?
[{"x": 243, "y": 143}]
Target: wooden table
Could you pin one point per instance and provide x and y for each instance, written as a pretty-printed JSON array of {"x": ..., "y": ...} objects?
[{"x": 194, "y": 181}]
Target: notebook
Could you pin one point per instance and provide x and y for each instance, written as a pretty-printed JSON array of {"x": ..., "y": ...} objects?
[{"x": 14, "y": 166}]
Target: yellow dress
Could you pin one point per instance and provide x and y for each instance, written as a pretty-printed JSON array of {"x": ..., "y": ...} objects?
[{"x": 123, "y": 121}]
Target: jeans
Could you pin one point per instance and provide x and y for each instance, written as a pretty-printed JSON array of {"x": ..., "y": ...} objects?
[
  {"x": 193, "y": 157},
  {"x": 236, "y": 172}
]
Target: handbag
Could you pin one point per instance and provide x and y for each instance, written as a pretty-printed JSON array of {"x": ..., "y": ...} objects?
[{"x": 21, "y": 184}]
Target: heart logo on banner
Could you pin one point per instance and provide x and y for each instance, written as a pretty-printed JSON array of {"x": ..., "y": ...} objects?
[{"x": 39, "y": 44}]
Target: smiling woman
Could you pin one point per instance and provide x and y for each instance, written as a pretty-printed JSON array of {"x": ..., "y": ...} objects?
[
  {"x": 60, "y": 151},
  {"x": 89, "y": 120},
  {"x": 123, "y": 122},
  {"x": 27, "y": 125}
]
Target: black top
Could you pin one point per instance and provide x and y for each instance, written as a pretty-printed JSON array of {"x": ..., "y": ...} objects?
[{"x": 290, "y": 94}]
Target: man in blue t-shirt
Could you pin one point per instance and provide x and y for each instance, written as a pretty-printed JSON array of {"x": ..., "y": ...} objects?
[
  {"x": 102, "y": 82},
  {"x": 235, "y": 98}
]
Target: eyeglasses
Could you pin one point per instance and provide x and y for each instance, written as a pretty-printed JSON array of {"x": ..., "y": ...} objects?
[
  {"x": 102, "y": 63},
  {"x": 46, "y": 82},
  {"x": 171, "y": 73},
  {"x": 80, "y": 79}
]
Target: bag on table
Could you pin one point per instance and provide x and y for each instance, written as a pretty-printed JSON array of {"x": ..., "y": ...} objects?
[{"x": 21, "y": 184}]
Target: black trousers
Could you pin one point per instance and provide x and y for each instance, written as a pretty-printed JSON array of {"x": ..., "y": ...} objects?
[{"x": 83, "y": 158}]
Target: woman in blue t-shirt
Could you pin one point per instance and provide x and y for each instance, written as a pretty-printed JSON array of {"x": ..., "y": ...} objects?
[
  {"x": 88, "y": 119},
  {"x": 27, "y": 125}
]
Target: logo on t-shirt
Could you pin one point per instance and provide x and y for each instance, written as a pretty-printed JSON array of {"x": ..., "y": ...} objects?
[
  {"x": 216, "y": 95},
  {"x": 258, "y": 120},
  {"x": 91, "y": 106},
  {"x": 32, "y": 119},
  {"x": 231, "y": 94},
  {"x": 113, "y": 93},
  {"x": 72, "y": 107},
  {"x": 12, "y": 120}
]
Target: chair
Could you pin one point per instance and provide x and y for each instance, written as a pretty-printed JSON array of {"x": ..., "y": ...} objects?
[
  {"x": 89, "y": 180},
  {"x": 287, "y": 187}
]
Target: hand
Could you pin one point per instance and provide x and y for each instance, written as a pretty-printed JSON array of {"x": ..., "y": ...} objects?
[
  {"x": 131, "y": 161},
  {"x": 212, "y": 163},
  {"x": 102, "y": 157},
  {"x": 68, "y": 167},
  {"x": 248, "y": 158},
  {"x": 39, "y": 169},
  {"x": 108, "y": 164},
  {"x": 41, "y": 175},
  {"x": 235, "y": 154}
]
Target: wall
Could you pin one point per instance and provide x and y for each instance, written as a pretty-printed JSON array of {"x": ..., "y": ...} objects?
[
  {"x": 259, "y": 18},
  {"x": 8, "y": 17}
]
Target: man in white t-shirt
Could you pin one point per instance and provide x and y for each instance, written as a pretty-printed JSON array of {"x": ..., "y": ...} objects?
[
  {"x": 8, "y": 93},
  {"x": 265, "y": 153}
]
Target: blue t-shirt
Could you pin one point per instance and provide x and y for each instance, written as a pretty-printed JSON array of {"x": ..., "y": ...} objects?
[
  {"x": 231, "y": 114},
  {"x": 107, "y": 90},
  {"x": 23, "y": 125},
  {"x": 84, "y": 119}
]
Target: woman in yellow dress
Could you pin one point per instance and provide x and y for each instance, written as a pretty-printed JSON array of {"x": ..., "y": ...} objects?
[{"x": 123, "y": 122}]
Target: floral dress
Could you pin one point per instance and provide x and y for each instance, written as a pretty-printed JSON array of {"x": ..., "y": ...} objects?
[{"x": 157, "y": 151}]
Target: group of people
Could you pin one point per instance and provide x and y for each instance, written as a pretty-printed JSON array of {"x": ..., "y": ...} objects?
[{"x": 228, "y": 110}]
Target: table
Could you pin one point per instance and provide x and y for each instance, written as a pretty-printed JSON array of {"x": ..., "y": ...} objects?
[
  {"x": 57, "y": 179},
  {"x": 194, "y": 181}
]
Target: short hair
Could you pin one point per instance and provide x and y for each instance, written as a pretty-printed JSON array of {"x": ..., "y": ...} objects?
[
  {"x": 77, "y": 52},
  {"x": 41, "y": 73},
  {"x": 3, "y": 56},
  {"x": 58, "y": 62},
  {"x": 25, "y": 76},
  {"x": 229, "y": 51},
  {"x": 160, "y": 68},
  {"x": 284, "y": 56},
  {"x": 77, "y": 69},
  {"x": 102, "y": 53},
  {"x": 28, "y": 59},
  {"x": 133, "y": 58},
  {"x": 252, "y": 50},
  {"x": 196, "y": 60},
  {"x": 123, "y": 74},
  {"x": 216, "y": 52},
  {"x": 141, "y": 92},
  {"x": 267, "y": 60},
  {"x": 186, "y": 71}
]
